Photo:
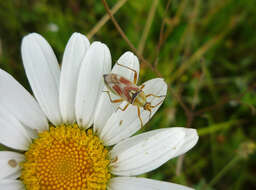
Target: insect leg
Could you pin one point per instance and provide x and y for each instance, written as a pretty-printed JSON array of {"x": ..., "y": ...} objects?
[
  {"x": 142, "y": 86},
  {"x": 135, "y": 72},
  {"x": 125, "y": 107},
  {"x": 156, "y": 104},
  {"x": 150, "y": 113},
  {"x": 113, "y": 101},
  {"x": 141, "y": 123},
  {"x": 148, "y": 95}
]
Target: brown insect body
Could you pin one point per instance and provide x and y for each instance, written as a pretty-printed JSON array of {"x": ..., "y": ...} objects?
[
  {"x": 124, "y": 88},
  {"x": 129, "y": 91}
]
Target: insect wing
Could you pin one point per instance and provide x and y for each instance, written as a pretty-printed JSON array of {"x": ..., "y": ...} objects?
[{"x": 113, "y": 84}]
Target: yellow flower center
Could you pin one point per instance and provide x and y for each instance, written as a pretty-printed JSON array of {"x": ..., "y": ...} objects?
[{"x": 66, "y": 157}]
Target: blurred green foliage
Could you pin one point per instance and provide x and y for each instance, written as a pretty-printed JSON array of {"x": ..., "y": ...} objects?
[{"x": 208, "y": 57}]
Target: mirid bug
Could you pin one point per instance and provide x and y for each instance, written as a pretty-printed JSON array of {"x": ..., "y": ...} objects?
[{"x": 128, "y": 91}]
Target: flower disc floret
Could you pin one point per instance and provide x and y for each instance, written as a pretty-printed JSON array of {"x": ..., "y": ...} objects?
[{"x": 66, "y": 157}]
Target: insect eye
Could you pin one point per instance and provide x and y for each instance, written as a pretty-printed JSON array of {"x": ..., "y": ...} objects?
[{"x": 135, "y": 94}]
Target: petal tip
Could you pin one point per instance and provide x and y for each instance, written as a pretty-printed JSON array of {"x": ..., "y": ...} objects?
[
  {"x": 96, "y": 44},
  {"x": 79, "y": 36},
  {"x": 31, "y": 36}
]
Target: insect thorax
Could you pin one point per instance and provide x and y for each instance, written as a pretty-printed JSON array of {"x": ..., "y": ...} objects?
[{"x": 139, "y": 98}]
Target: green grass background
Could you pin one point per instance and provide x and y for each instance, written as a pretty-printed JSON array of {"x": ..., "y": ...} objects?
[{"x": 208, "y": 59}]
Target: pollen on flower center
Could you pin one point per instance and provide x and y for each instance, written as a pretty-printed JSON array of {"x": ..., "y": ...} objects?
[{"x": 66, "y": 157}]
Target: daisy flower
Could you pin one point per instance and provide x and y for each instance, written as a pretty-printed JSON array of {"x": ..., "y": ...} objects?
[{"x": 70, "y": 136}]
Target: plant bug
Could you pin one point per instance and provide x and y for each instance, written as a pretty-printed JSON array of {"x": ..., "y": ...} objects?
[{"x": 128, "y": 91}]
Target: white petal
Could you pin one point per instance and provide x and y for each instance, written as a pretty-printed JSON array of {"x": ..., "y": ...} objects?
[
  {"x": 9, "y": 184},
  {"x": 74, "y": 53},
  {"x": 97, "y": 62},
  {"x": 43, "y": 73},
  {"x": 20, "y": 103},
  {"x": 9, "y": 164},
  {"x": 191, "y": 138},
  {"x": 148, "y": 151},
  {"x": 105, "y": 108},
  {"x": 12, "y": 132},
  {"x": 123, "y": 124},
  {"x": 136, "y": 183}
]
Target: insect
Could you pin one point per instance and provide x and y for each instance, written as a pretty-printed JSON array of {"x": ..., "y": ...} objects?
[{"x": 128, "y": 91}]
